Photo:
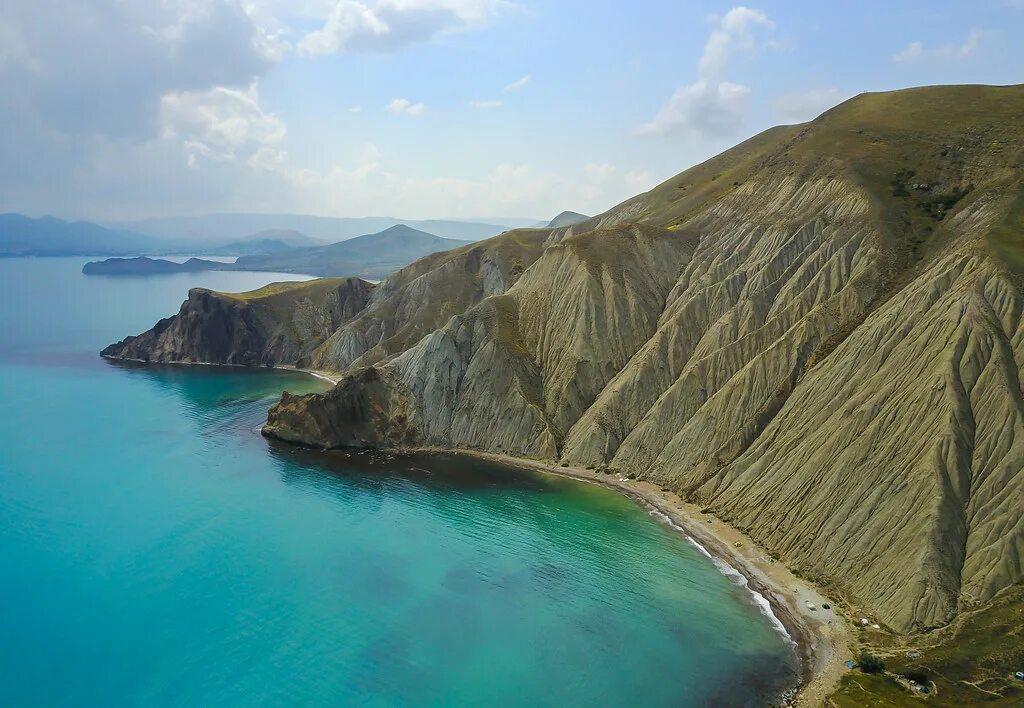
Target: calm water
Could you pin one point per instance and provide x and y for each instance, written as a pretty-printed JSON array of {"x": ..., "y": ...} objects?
[{"x": 155, "y": 550}]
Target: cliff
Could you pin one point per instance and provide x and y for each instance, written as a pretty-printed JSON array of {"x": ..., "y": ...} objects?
[
  {"x": 281, "y": 323},
  {"x": 817, "y": 334}
]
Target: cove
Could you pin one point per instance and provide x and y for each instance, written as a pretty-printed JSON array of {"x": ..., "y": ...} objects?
[{"x": 158, "y": 551}]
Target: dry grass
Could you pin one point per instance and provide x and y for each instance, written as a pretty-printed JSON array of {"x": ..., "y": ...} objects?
[{"x": 970, "y": 663}]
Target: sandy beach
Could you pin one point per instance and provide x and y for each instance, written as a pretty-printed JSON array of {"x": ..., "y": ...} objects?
[
  {"x": 824, "y": 640},
  {"x": 329, "y": 378}
]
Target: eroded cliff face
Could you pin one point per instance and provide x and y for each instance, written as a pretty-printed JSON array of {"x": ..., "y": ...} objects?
[
  {"x": 816, "y": 334},
  {"x": 279, "y": 324},
  {"x": 423, "y": 296}
]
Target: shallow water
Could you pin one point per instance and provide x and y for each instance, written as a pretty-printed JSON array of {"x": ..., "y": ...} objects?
[{"x": 157, "y": 551}]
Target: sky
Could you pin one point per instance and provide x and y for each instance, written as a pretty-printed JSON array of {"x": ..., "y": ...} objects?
[{"x": 124, "y": 109}]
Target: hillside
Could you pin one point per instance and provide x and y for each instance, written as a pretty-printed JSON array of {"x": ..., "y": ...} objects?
[
  {"x": 806, "y": 323},
  {"x": 816, "y": 335},
  {"x": 369, "y": 256},
  {"x": 267, "y": 241}
]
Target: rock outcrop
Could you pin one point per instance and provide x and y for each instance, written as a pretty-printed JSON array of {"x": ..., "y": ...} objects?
[{"x": 281, "y": 323}]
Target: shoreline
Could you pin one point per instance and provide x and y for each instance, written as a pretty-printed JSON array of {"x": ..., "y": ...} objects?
[
  {"x": 323, "y": 375},
  {"x": 822, "y": 639}
]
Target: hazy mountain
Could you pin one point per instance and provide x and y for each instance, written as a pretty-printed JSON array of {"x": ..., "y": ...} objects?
[
  {"x": 233, "y": 227},
  {"x": 265, "y": 242},
  {"x": 46, "y": 236},
  {"x": 370, "y": 256}
]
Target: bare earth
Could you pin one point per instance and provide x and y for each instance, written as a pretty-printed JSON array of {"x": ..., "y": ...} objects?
[{"x": 824, "y": 639}]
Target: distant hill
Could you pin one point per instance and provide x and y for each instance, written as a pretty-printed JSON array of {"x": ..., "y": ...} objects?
[
  {"x": 46, "y": 236},
  {"x": 268, "y": 241},
  {"x": 149, "y": 266},
  {"x": 567, "y": 218},
  {"x": 369, "y": 256},
  {"x": 221, "y": 228}
]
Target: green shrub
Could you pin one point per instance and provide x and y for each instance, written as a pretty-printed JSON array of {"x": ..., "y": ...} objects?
[
  {"x": 899, "y": 182},
  {"x": 871, "y": 664},
  {"x": 937, "y": 205}
]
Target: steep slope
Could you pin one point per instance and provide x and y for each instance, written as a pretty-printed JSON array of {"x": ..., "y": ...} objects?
[
  {"x": 423, "y": 296},
  {"x": 370, "y": 256},
  {"x": 278, "y": 324},
  {"x": 817, "y": 334},
  {"x": 515, "y": 371}
]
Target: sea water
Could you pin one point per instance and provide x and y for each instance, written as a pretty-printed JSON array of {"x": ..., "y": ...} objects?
[{"x": 156, "y": 551}]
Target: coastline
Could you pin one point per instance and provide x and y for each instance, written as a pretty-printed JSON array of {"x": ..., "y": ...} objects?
[
  {"x": 330, "y": 378},
  {"x": 822, "y": 638}
]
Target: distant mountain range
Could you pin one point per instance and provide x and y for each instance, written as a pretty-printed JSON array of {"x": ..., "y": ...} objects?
[
  {"x": 24, "y": 236},
  {"x": 215, "y": 235},
  {"x": 269, "y": 241},
  {"x": 372, "y": 256},
  {"x": 231, "y": 227}
]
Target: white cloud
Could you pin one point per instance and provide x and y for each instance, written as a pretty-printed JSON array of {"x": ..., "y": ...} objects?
[
  {"x": 355, "y": 109},
  {"x": 404, "y": 105},
  {"x": 388, "y": 25},
  {"x": 734, "y": 31},
  {"x": 711, "y": 107},
  {"x": 486, "y": 105},
  {"x": 703, "y": 109},
  {"x": 916, "y": 51},
  {"x": 804, "y": 105},
  {"x": 222, "y": 124},
  {"x": 100, "y": 67},
  {"x": 518, "y": 83},
  {"x": 368, "y": 186}
]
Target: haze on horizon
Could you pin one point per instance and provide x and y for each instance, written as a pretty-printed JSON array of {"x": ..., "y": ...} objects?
[{"x": 124, "y": 109}]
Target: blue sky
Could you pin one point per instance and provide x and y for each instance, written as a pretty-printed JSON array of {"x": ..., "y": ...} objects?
[{"x": 436, "y": 108}]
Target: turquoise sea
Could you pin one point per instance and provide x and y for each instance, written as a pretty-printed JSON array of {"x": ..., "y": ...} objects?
[{"x": 156, "y": 551}]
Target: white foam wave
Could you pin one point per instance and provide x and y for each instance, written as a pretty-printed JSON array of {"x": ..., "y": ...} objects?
[{"x": 730, "y": 572}]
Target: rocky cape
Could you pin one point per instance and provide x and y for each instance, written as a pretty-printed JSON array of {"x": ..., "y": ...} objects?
[
  {"x": 280, "y": 324},
  {"x": 816, "y": 335}
]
